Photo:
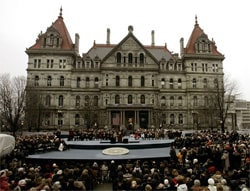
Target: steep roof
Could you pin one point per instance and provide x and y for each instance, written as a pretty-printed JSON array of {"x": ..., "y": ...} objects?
[
  {"x": 61, "y": 28},
  {"x": 197, "y": 33}
]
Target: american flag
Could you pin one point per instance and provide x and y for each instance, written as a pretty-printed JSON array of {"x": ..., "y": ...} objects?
[{"x": 116, "y": 119}]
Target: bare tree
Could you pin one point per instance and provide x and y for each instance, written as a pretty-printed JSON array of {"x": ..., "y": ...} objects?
[
  {"x": 12, "y": 101},
  {"x": 225, "y": 94}
]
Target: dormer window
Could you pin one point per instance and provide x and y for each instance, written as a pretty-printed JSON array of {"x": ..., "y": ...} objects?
[{"x": 203, "y": 45}]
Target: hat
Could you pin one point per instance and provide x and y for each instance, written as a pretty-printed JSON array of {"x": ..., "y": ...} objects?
[
  {"x": 210, "y": 181},
  {"x": 197, "y": 182},
  {"x": 22, "y": 182},
  {"x": 112, "y": 161},
  {"x": 3, "y": 173},
  {"x": 56, "y": 185},
  {"x": 59, "y": 172},
  {"x": 166, "y": 181},
  {"x": 195, "y": 161},
  {"x": 54, "y": 165}
]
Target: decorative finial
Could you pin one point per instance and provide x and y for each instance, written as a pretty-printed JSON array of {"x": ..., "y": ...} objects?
[
  {"x": 60, "y": 15},
  {"x": 196, "y": 22},
  {"x": 130, "y": 28}
]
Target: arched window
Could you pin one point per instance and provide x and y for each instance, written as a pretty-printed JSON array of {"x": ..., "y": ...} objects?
[
  {"x": 172, "y": 121},
  {"x": 194, "y": 83},
  {"x": 61, "y": 81},
  {"x": 180, "y": 119},
  {"x": 130, "y": 99},
  {"x": 142, "y": 81},
  {"x": 172, "y": 101},
  {"x": 142, "y": 99},
  {"x": 117, "y": 81},
  {"x": 204, "y": 83},
  {"x": 36, "y": 80},
  {"x": 95, "y": 100},
  {"x": 118, "y": 57},
  {"x": 171, "y": 83},
  {"x": 130, "y": 81},
  {"x": 77, "y": 119},
  {"x": 48, "y": 100},
  {"x": 130, "y": 58},
  {"x": 87, "y": 82},
  {"x": 51, "y": 39},
  {"x": 96, "y": 82},
  {"x": 78, "y": 82},
  {"x": 49, "y": 79},
  {"x": 141, "y": 57},
  {"x": 163, "y": 101},
  {"x": 195, "y": 101},
  {"x": 117, "y": 99},
  {"x": 179, "y": 83},
  {"x": 60, "y": 101},
  {"x": 77, "y": 101}
]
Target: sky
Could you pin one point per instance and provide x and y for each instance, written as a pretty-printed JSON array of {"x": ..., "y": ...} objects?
[{"x": 225, "y": 21}]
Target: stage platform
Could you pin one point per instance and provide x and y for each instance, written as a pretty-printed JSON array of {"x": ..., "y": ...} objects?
[{"x": 94, "y": 150}]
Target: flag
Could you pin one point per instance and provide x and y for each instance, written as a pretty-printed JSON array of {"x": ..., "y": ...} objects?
[{"x": 116, "y": 118}]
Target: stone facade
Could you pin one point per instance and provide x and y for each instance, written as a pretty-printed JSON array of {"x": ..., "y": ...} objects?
[{"x": 125, "y": 85}]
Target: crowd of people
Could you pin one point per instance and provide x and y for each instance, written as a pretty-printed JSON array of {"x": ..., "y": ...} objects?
[{"x": 203, "y": 161}]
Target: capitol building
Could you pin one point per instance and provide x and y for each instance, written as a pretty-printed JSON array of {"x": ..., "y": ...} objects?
[{"x": 125, "y": 85}]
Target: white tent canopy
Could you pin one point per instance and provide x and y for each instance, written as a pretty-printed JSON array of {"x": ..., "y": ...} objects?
[{"x": 7, "y": 144}]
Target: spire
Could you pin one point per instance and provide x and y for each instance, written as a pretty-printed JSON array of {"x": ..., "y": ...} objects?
[
  {"x": 196, "y": 21},
  {"x": 60, "y": 15}
]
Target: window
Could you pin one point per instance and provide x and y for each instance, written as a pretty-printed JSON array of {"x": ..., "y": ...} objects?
[
  {"x": 195, "y": 101},
  {"x": 171, "y": 83},
  {"x": 130, "y": 58},
  {"x": 162, "y": 82},
  {"x": 60, "y": 118},
  {"x": 87, "y": 100},
  {"x": 216, "y": 83},
  {"x": 47, "y": 100},
  {"x": 117, "y": 99},
  {"x": 118, "y": 57},
  {"x": 172, "y": 119},
  {"x": 180, "y": 119},
  {"x": 78, "y": 82},
  {"x": 204, "y": 67},
  {"x": 142, "y": 99},
  {"x": 36, "y": 80},
  {"x": 141, "y": 58},
  {"x": 35, "y": 63},
  {"x": 172, "y": 101},
  {"x": 204, "y": 83},
  {"x": 117, "y": 81},
  {"x": 77, "y": 101},
  {"x": 179, "y": 101},
  {"x": 206, "y": 101},
  {"x": 130, "y": 99},
  {"x": 51, "y": 39},
  {"x": 215, "y": 67},
  {"x": 60, "y": 101},
  {"x": 61, "y": 81},
  {"x": 163, "y": 101},
  {"x": 179, "y": 83},
  {"x": 95, "y": 101},
  {"x": 194, "y": 66},
  {"x": 77, "y": 119},
  {"x": 49, "y": 79},
  {"x": 142, "y": 81},
  {"x": 194, "y": 83},
  {"x": 96, "y": 82},
  {"x": 87, "y": 82},
  {"x": 130, "y": 81}
]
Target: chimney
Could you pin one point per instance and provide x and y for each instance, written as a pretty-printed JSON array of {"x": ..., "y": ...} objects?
[
  {"x": 108, "y": 36},
  {"x": 77, "y": 37},
  {"x": 153, "y": 37},
  {"x": 181, "y": 46}
]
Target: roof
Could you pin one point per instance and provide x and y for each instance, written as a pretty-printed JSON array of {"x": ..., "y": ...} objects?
[
  {"x": 61, "y": 28},
  {"x": 197, "y": 33}
]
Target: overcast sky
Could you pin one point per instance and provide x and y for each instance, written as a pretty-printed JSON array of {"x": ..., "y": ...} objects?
[{"x": 226, "y": 21}]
